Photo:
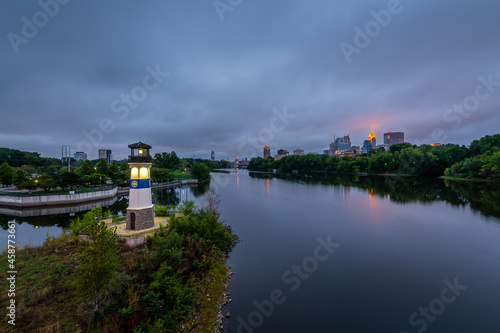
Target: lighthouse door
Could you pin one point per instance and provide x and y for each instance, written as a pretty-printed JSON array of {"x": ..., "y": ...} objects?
[{"x": 132, "y": 221}]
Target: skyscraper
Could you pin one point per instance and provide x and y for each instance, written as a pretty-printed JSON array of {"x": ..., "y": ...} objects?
[
  {"x": 367, "y": 146},
  {"x": 299, "y": 152},
  {"x": 80, "y": 156},
  {"x": 391, "y": 138},
  {"x": 371, "y": 137},
  {"x": 282, "y": 152},
  {"x": 212, "y": 155},
  {"x": 343, "y": 144},
  {"x": 267, "y": 151},
  {"x": 106, "y": 154}
]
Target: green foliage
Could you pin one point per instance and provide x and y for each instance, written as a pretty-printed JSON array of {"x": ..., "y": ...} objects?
[
  {"x": 28, "y": 185},
  {"x": 124, "y": 167},
  {"x": 190, "y": 162},
  {"x": 46, "y": 182},
  {"x": 95, "y": 178},
  {"x": 6, "y": 174},
  {"x": 161, "y": 210},
  {"x": 113, "y": 167},
  {"x": 166, "y": 160},
  {"x": 94, "y": 216},
  {"x": 102, "y": 167},
  {"x": 486, "y": 166},
  {"x": 67, "y": 179},
  {"x": 86, "y": 169},
  {"x": 153, "y": 304},
  {"x": 162, "y": 174},
  {"x": 201, "y": 172},
  {"x": 481, "y": 146},
  {"x": 98, "y": 262},
  {"x": 19, "y": 176}
]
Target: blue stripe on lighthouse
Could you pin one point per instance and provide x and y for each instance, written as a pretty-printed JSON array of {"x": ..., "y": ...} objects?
[{"x": 139, "y": 183}]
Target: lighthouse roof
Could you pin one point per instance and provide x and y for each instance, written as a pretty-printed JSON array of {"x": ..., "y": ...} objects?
[{"x": 139, "y": 145}]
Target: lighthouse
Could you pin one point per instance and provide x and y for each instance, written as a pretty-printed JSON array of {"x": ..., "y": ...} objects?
[{"x": 140, "y": 214}]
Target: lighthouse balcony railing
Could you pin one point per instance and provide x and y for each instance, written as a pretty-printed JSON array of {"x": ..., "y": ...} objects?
[{"x": 139, "y": 159}]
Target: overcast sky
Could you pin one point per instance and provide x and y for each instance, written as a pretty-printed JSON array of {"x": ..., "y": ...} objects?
[{"x": 195, "y": 76}]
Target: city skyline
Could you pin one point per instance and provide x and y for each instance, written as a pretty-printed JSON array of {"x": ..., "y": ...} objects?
[{"x": 187, "y": 78}]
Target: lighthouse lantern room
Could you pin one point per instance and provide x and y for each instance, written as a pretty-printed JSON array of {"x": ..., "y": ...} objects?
[{"x": 140, "y": 214}]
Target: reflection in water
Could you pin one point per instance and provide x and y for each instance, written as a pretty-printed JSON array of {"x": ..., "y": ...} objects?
[
  {"x": 373, "y": 205},
  {"x": 482, "y": 197},
  {"x": 267, "y": 187},
  {"x": 54, "y": 210}
]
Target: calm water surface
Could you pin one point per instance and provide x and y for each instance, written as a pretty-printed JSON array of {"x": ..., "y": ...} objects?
[{"x": 429, "y": 251}]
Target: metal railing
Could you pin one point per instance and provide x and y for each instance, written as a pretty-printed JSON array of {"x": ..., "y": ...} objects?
[{"x": 140, "y": 159}]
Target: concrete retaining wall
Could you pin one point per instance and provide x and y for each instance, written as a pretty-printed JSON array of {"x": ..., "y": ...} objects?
[{"x": 55, "y": 199}]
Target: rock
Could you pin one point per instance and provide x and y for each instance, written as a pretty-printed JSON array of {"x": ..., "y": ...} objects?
[{"x": 227, "y": 315}]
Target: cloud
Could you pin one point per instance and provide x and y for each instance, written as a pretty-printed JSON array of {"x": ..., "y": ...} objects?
[{"x": 227, "y": 77}]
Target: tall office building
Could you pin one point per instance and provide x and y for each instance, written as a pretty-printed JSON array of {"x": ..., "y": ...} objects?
[
  {"x": 106, "y": 154},
  {"x": 367, "y": 146},
  {"x": 267, "y": 151},
  {"x": 391, "y": 138},
  {"x": 371, "y": 137},
  {"x": 212, "y": 155},
  {"x": 299, "y": 152},
  {"x": 343, "y": 144},
  {"x": 283, "y": 152},
  {"x": 80, "y": 156}
]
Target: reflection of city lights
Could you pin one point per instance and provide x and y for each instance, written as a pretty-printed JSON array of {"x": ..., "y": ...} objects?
[{"x": 267, "y": 187}]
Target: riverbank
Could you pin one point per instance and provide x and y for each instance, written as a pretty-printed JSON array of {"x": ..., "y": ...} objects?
[
  {"x": 470, "y": 180},
  {"x": 175, "y": 282}
]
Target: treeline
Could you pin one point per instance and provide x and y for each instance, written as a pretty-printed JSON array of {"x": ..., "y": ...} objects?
[
  {"x": 86, "y": 174},
  {"x": 17, "y": 158},
  {"x": 480, "y": 160},
  {"x": 166, "y": 164},
  {"x": 30, "y": 171}
]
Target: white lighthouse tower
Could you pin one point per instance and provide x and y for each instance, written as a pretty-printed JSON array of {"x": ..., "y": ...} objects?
[{"x": 140, "y": 214}]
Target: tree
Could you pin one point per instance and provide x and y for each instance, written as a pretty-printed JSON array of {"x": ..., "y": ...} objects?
[
  {"x": 124, "y": 167},
  {"x": 201, "y": 172},
  {"x": 6, "y": 174},
  {"x": 103, "y": 167},
  {"x": 86, "y": 169},
  {"x": 28, "y": 185},
  {"x": 162, "y": 174},
  {"x": 166, "y": 160},
  {"x": 19, "y": 176},
  {"x": 46, "y": 182},
  {"x": 98, "y": 262},
  {"x": 68, "y": 179},
  {"x": 95, "y": 178},
  {"x": 113, "y": 167}
]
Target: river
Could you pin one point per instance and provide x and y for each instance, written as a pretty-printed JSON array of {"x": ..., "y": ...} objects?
[
  {"x": 362, "y": 254},
  {"x": 347, "y": 254}
]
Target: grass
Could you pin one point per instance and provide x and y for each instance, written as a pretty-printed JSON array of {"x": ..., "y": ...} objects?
[
  {"x": 181, "y": 175},
  {"x": 45, "y": 293}
]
